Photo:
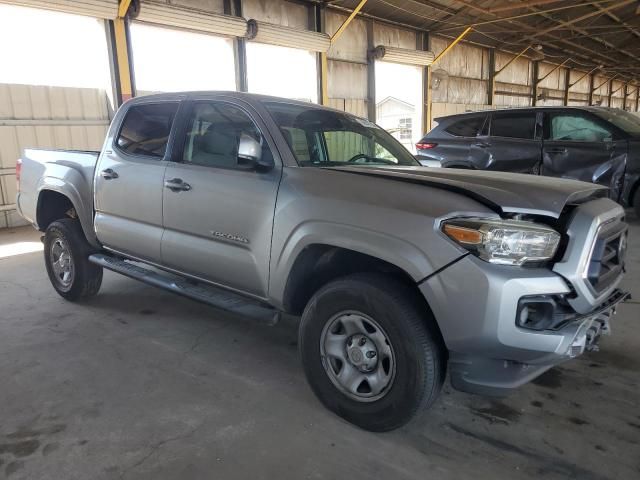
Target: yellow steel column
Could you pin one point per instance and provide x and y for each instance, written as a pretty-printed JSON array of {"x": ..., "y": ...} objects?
[
  {"x": 448, "y": 48},
  {"x": 122, "y": 51},
  {"x": 324, "y": 62},
  {"x": 451, "y": 45}
]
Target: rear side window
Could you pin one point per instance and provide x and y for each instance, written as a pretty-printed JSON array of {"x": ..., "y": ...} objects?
[
  {"x": 145, "y": 129},
  {"x": 469, "y": 127},
  {"x": 514, "y": 125}
]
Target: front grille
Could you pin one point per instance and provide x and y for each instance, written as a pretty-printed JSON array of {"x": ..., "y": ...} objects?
[
  {"x": 593, "y": 260},
  {"x": 607, "y": 256}
]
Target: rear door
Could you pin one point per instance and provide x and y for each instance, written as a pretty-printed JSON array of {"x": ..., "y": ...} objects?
[
  {"x": 129, "y": 176},
  {"x": 581, "y": 146},
  {"x": 218, "y": 211},
  {"x": 455, "y": 150},
  {"x": 514, "y": 142}
]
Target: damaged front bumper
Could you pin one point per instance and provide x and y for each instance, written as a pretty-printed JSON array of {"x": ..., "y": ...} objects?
[{"x": 491, "y": 350}]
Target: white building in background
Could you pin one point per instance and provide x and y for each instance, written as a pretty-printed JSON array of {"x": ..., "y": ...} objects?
[{"x": 398, "y": 118}]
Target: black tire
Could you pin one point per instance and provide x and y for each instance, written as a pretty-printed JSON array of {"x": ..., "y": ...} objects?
[
  {"x": 636, "y": 202},
  {"x": 409, "y": 326},
  {"x": 84, "y": 278}
]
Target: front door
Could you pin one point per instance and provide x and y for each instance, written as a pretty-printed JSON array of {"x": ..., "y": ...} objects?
[
  {"x": 129, "y": 176},
  {"x": 218, "y": 209},
  {"x": 578, "y": 145},
  {"x": 513, "y": 144}
]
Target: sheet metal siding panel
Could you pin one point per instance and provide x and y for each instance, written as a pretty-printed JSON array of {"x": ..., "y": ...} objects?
[
  {"x": 555, "y": 80},
  {"x": 556, "y": 101},
  {"x": 463, "y": 60},
  {"x": 277, "y": 11},
  {"x": 84, "y": 112},
  {"x": 91, "y": 8},
  {"x": 347, "y": 85},
  {"x": 393, "y": 36},
  {"x": 354, "y": 106},
  {"x": 347, "y": 80},
  {"x": 520, "y": 100},
  {"x": 578, "y": 99},
  {"x": 461, "y": 90},
  {"x": 213, "y": 6},
  {"x": 352, "y": 44},
  {"x": 619, "y": 86},
  {"x": 519, "y": 72},
  {"x": 582, "y": 86}
]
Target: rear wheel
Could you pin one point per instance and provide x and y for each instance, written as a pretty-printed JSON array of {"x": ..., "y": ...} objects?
[
  {"x": 370, "y": 351},
  {"x": 66, "y": 253}
]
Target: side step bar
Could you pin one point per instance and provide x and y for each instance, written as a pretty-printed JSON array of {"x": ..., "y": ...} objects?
[{"x": 217, "y": 297}]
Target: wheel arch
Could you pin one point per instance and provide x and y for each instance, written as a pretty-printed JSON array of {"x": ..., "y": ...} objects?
[
  {"x": 54, "y": 203},
  {"x": 318, "y": 264}
]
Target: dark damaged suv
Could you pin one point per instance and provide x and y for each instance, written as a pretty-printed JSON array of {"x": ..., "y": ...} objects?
[{"x": 594, "y": 144}]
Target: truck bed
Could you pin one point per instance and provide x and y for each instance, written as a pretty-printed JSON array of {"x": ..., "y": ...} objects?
[{"x": 58, "y": 170}]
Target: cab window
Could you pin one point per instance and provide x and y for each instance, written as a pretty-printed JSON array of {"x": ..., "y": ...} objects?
[
  {"x": 216, "y": 132},
  {"x": 577, "y": 128},
  {"x": 146, "y": 128}
]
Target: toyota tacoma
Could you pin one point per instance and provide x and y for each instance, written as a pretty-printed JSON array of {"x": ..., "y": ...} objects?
[{"x": 398, "y": 272}]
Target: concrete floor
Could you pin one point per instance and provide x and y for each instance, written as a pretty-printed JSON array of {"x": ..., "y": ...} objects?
[{"x": 137, "y": 383}]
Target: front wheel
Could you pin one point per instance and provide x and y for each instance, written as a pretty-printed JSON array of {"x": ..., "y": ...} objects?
[
  {"x": 371, "y": 352},
  {"x": 66, "y": 253}
]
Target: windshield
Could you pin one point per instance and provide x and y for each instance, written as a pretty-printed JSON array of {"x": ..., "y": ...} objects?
[
  {"x": 626, "y": 121},
  {"x": 322, "y": 138}
]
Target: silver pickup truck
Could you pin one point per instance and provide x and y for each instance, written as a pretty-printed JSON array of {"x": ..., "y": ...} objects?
[{"x": 263, "y": 206}]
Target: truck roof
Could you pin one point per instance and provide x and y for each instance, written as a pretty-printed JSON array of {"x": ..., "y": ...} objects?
[{"x": 248, "y": 97}]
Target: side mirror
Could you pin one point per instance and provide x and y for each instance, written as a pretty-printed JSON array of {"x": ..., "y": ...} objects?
[{"x": 250, "y": 150}]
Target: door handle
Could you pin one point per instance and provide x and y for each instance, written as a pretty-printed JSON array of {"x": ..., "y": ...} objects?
[
  {"x": 556, "y": 150},
  {"x": 177, "y": 185},
  {"x": 482, "y": 144},
  {"x": 108, "y": 174}
]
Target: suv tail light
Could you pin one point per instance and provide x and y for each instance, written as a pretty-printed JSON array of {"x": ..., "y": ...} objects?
[
  {"x": 426, "y": 146},
  {"x": 18, "y": 172}
]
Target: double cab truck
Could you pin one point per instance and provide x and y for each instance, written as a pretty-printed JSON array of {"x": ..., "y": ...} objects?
[{"x": 399, "y": 273}]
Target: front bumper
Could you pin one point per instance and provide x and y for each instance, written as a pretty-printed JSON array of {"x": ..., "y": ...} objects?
[{"x": 476, "y": 303}]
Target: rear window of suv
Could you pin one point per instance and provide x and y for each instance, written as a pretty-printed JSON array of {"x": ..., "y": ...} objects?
[
  {"x": 469, "y": 127},
  {"x": 145, "y": 129}
]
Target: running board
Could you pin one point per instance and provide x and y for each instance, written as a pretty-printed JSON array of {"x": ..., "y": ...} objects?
[{"x": 214, "y": 296}]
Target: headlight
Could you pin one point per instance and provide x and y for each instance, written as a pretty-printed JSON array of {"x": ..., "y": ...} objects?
[{"x": 507, "y": 242}]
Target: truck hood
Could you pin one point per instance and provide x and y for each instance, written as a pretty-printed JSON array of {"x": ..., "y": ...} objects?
[{"x": 500, "y": 191}]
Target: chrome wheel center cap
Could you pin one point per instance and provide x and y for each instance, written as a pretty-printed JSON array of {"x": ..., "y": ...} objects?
[{"x": 362, "y": 352}]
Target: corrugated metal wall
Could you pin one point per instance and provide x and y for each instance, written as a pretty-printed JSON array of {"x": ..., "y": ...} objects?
[
  {"x": 280, "y": 12},
  {"x": 465, "y": 70},
  {"x": 347, "y": 62},
  {"x": 45, "y": 117}
]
